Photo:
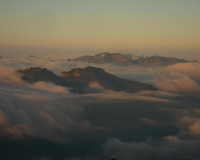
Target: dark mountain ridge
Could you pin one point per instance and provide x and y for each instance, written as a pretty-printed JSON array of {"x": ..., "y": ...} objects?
[
  {"x": 154, "y": 61},
  {"x": 36, "y": 74},
  {"x": 78, "y": 79},
  {"x": 107, "y": 58},
  {"x": 91, "y": 74},
  {"x": 124, "y": 60}
]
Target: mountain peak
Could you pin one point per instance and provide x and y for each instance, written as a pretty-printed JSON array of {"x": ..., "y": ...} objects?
[
  {"x": 35, "y": 70},
  {"x": 90, "y": 74},
  {"x": 93, "y": 68},
  {"x": 88, "y": 71},
  {"x": 107, "y": 58},
  {"x": 80, "y": 78},
  {"x": 126, "y": 59},
  {"x": 36, "y": 74}
]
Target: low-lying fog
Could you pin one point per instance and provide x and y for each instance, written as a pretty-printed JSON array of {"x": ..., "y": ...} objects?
[{"x": 43, "y": 121}]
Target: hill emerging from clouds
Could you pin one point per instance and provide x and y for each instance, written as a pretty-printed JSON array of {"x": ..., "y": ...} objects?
[
  {"x": 79, "y": 79},
  {"x": 126, "y": 60}
]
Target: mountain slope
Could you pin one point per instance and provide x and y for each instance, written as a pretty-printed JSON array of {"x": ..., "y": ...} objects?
[
  {"x": 154, "y": 61},
  {"x": 36, "y": 74},
  {"x": 107, "y": 58},
  {"x": 125, "y": 60},
  {"x": 79, "y": 79},
  {"x": 90, "y": 75}
]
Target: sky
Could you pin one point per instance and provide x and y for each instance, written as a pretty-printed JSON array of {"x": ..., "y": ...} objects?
[
  {"x": 128, "y": 26},
  {"x": 45, "y": 121}
]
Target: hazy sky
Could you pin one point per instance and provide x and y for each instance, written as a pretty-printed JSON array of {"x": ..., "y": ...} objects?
[{"x": 106, "y": 25}]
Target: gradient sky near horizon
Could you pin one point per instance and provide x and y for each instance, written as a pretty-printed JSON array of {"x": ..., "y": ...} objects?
[{"x": 106, "y": 25}]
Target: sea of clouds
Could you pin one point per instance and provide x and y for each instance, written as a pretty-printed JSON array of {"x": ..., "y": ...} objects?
[{"x": 43, "y": 121}]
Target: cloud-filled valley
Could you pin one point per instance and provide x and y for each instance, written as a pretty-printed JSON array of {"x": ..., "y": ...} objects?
[{"x": 45, "y": 121}]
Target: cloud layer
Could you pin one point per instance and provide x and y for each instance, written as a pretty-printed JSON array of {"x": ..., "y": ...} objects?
[{"x": 51, "y": 123}]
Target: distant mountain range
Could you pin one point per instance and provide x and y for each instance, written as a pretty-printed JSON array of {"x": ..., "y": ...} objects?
[
  {"x": 126, "y": 60},
  {"x": 79, "y": 79}
]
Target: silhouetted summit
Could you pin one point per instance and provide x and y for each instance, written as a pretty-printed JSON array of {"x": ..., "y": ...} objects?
[
  {"x": 36, "y": 74},
  {"x": 126, "y": 60},
  {"x": 79, "y": 78},
  {"x": 90, "y": 74},
  {"x": 107, "y": 58},
  {"x": 154, "y": 61}
]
